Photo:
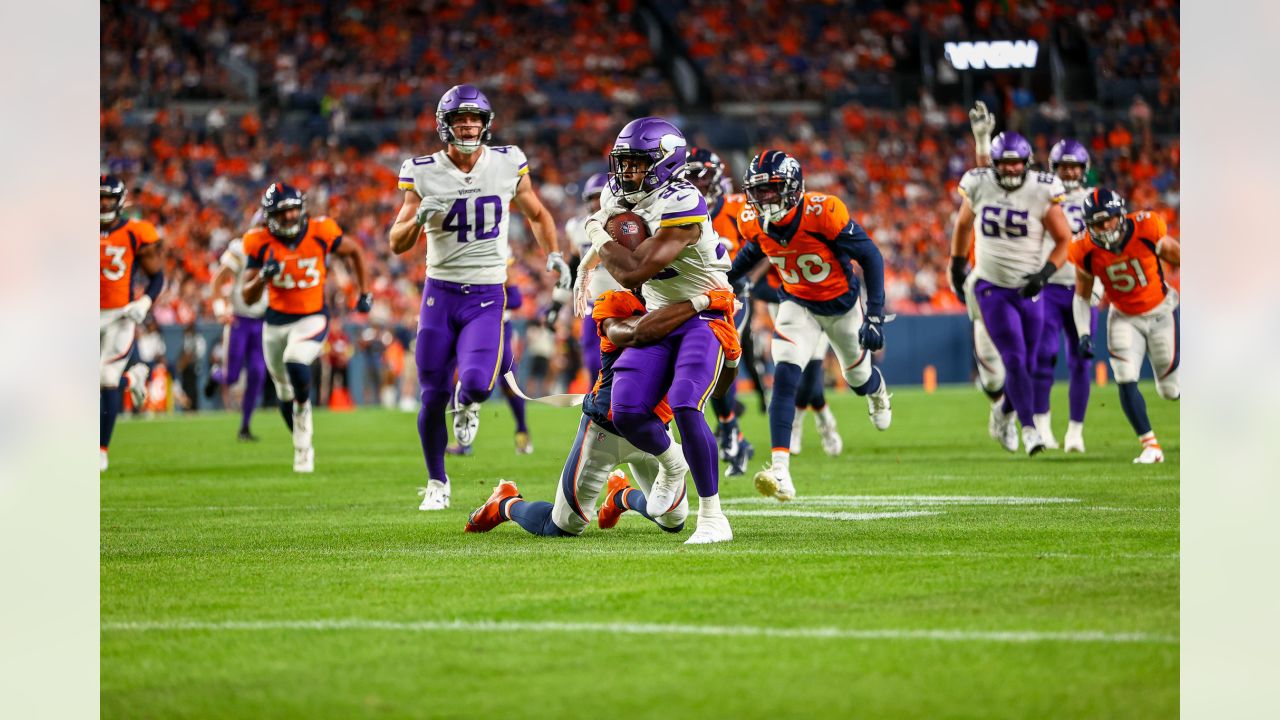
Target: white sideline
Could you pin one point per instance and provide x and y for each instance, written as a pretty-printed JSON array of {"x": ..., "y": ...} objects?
[
  {"x": 827, "y": 515},
  {"x": 905, "y": 500},
  {"x": 506, "y": 626}
]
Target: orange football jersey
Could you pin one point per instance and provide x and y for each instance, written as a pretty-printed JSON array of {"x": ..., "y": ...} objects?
[
  {"x": 808, "y": 265},
  {"x": 726, "y": 221},
  {"x": 1133, "y": 276},
  {"x": 117, "y": 250},
  {"x": 299, "y": 288}
]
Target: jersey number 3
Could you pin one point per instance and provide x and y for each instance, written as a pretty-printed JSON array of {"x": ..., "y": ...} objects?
[
  {"x": 116, "y": 269},
  {"x": 811, "y": 266}
]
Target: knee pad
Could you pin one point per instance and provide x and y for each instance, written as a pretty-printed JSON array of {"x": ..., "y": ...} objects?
[
  {"x": 1168, "y": 388},
  {"x": 627, "y": 420},
  {"x": 299, "y": 380},
  {"x": 476, "y": 384},
  {"x": 860, "y": 373}
]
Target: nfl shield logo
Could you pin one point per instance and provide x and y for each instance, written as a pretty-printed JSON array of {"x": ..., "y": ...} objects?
[
  {"x": 630, "y": 227},
  {"x": 431, "y": 301},
  {"x": 599, "y": 437},
  {"x": 468, "y": 179}
]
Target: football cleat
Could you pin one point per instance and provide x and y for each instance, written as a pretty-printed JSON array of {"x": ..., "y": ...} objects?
[
  {"x": 435, "y": 496},
  {"x": 738, "y": 463},
  {"x": 1151, "y": 454},
  {"x": 466, "y": 418},
  {"x": 611, "y": 511},
  {"x": 137, "y": 376},
  {"x": 797, "y": 432},
  {"x": 524, "y": 446},
  {"x": 832, "y": 443},
  {"x": 775, "y": 482},
  {"x": 246, "y": 436},
  {"x": 489, "y": 515},
  {"x": 666, "y": 489},
  {"x": 102, "y": 459},
  {"x": 304, "y": 460},
  {"x": 1046, "y": 432},
  {"x": 1074, "y": 441},
  {"x": 1031, "y": 441},
  {"x": 462, "y": 450},
  {"x": 727, "y": 438},
  {"x": 1003, "y": 427},
  {"x": 879, "y": 409},
  {"x": 711, "y": 529}
]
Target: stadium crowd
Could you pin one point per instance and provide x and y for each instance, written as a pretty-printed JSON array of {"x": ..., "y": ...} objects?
[{"x": 227, "y": 96}]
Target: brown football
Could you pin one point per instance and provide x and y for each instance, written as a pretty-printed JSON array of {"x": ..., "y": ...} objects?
[{"x": 627, "y": 228}]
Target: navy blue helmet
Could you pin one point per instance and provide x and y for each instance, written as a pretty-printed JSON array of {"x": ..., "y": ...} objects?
[
  {"x": 1100, "y": 206},
  {"x": 110, "y": 186},
  {"x": 774, "y": 183},
  {"x": 279, "y": 198}
]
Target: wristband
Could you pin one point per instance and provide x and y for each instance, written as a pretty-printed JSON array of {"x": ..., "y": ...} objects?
[{"x": 700, "y": 303}]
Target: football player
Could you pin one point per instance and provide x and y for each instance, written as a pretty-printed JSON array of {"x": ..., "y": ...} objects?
[
  {"x": 460, "y": 197},
  {"x": 812, "y": 241},
  {"x": 242, "y": 338},
  {"x": 705, "y": 170},
  {"x": 682, "y": 260},
  {"x": 1013, "y": 209},
  {"x": 288, "y": 259},
  {"x": 1069, "y": 160},
  {"x": 590, "y": 281},
  {"x": 1125, "y": 251},
  {"x": 599, "y": 447},
  {"x": 124, "y": 245}
]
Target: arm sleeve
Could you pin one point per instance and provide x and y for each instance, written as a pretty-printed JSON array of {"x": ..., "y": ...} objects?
[
  {"x": 857, "y": 244},
  {"x": 155, "y": 283},
  {"x": 1080, "y": 312},
  {"x": 747, "y": 258}
]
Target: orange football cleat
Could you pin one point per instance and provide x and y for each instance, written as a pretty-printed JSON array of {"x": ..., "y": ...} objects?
[
  {"x": 610, "y": 511},
  {"x": 487, "y": 516}
]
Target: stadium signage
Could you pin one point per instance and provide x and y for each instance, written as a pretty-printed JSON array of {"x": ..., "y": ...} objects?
[{"x": 997, "y": 55}]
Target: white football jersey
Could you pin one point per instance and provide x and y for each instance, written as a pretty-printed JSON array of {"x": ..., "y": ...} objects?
[
  {"x": 467, "y": 243},
  {"x": 234, "y": 259},
  {"x": 1073, "y": 208},
  {"x": 601, "y": 281},
  {"x": 700, "y": 267},
  {"x": 1009, "y": 224}
]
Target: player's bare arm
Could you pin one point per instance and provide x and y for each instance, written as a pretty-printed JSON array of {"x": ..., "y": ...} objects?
[
  {"x": 1169, "y": 250},
  {"x": 632, "y": 267},
  {"x": 352, "y": 255},
  {"x": 1055, "y": 221},
  {"x": 221, "y": 280},
  {"x": 150, "y": 258},
  {"x": 961, "y": 243},
  {"x": 254, "y": 285},
  {"x": 540, "y": 220},
  {"x": 405, "y": 230},
  {"x": 649, "y": 328}
]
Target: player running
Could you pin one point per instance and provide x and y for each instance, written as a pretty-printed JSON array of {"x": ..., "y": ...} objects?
[
  {"x": 288, "y": 259},
  {"x": 1069, "y": 160},
  {"x": 1125, "y": 251},
  {"x": 599, "y": 447},
  {"x": 811, "y": 240},
  {"x": 460, "y": 197},
  {"x": 705, "y": 170},
  {"x": 124, "y": 245},
  {"x": 682, "y": 260},
  {"x": 1014, "y": 208},
  {"x": 593, "y": 281},
  {"x": 242, "y": 338}
]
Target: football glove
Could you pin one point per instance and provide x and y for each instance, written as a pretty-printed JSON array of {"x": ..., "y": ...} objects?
[
  {"x": 137, "y": 310},
  {"x": 430, "y": 204},
  {"x": 871, "y": 334},
  {"x": 983, "y": 123},
  {"x": 555, "y": 261},
  {"x": 1086, "y": 347},
  {"x": 365, "y": 303},
  {"x": 270, "y": 266},
  {"x": 1036, "y": 281},
  {"x": 722, "y": 301},
  {"x": 958, "y": 275},
  {"x": 559, "y": 297}
]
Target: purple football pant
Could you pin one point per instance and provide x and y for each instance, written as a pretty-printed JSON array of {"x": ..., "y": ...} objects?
[
  {"x": 460, "y": 326},
  {"x": 683, "y": 367},
  {"x": 1057, "y": 320},
  {"x": 1014, "y": 324},
  {"x": 244, "y": 352},
  {"x": 590, "y": 342}
]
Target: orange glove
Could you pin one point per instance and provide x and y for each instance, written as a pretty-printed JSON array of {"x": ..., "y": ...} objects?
[{"x": 722, "y": 300}]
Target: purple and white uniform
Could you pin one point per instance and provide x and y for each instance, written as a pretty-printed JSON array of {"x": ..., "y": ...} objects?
[{"x": 242, "y": 339}]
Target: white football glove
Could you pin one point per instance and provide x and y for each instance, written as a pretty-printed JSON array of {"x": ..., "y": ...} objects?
[
  {"x": 555, "y": 261},
  {"x": 982, "y": 122},
  {"x": 137, "y": 310},
  {"x": 430, "y": 204},
  {"x": 596, "y": 233}
]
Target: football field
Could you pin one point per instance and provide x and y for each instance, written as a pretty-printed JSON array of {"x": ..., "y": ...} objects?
[{"x": 924, "y": 573}]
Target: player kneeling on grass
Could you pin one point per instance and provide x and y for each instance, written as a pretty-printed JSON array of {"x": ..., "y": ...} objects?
[
  {"x": 1125, "y": 251},
  {"x": 288, "y": 257},
  {"x": 598, "y": 448}
]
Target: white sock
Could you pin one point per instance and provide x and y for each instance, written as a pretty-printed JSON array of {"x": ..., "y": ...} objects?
[
  {"x": 302, "y": 425},
  {"x": 672, "y": 460},
  {"x": 709, "y": 505},
  {"x": 1042, "y": 424},
  {"x": 826, "y": 416},
  {"x": 1074, "y": 427},
  {"x": 781, "y": 458}
]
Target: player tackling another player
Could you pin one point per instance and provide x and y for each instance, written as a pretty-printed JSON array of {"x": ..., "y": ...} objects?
[
  {"x": 1125, "y": 252},
  {"x": 288, "y": 259}
]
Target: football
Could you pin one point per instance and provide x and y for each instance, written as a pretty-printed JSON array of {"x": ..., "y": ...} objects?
[{"x": 627, "y": 228}]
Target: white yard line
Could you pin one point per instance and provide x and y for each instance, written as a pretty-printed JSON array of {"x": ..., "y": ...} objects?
[
  {"x": 828, "y": 515},
  {"x": 507, "y": 626},
  {"x": 905, "y": 500}
]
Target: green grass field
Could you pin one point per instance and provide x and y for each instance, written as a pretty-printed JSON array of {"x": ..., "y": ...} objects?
[{"x": 1043, "y": 587}]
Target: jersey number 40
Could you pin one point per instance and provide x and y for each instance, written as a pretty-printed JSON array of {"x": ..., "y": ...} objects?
[{"x": 486, "y": 213}]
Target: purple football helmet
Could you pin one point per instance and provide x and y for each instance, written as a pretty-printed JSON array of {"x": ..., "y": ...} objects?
[
  {"x": 651, "y": 140},
  {"x": 594, "y": 185},
  {"x": 1100, "y": 206},
  {"x": 1068, "y": 152},
  {"x": 464, "y": 99},
  {"x": 1008, "y": 147}
]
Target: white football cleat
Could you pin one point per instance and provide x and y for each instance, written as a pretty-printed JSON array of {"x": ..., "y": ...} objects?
[
  {"x": 1045, "y": 429},
  {"x": 138, "y": 384},
  {"x": 435, "y": 496},
  {"x": 1003, "y": 427},
  {"x": 797, "y": 432},
  {"x": 775, "y": 482},
  {"x": 1074, "y": 440},
  {"x": 1031, "y": 441},
  {"x": 102, "y": 459},
  {"x": 666, "y": 488},
  {"x": 466, "y": 419},
  {"x": 304, "y": 460},
  {"x": 1151, "y": 454},
  {"x": 878, "y": 407},
  {"x": 711, "y": 529},
  {"x": 832, "y": 443}
]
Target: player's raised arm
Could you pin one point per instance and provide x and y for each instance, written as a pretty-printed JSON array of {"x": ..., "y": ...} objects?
[
  {"x": 982, "y": 122},
  {"x": 961, "y": 244}
]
